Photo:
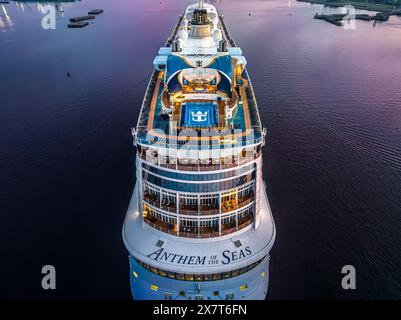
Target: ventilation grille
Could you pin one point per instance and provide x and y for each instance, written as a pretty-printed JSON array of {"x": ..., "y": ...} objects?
[{"x": 237, "y": 243}]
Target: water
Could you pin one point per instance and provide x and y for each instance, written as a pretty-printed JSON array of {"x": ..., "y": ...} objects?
[{"x": 330, "y": 99}]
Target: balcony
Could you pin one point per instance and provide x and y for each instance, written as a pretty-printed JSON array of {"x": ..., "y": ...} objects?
[
  {"x": 210, "y": 209},
  {"x": 242, "y": 202},
  {"x": 244, "y": 221},
  {"x": 189, "y": 209},
  {"x": 197, "y": 165},
  {"x": 169, "y": 165},
  {"x": 228, "y": 205},
  {"x": 155, "y": 202},
  {"x": 231, "y": 227},
  {"x": 194, "y": 210},
  {"x": 198, "y": 232},
  {"x": 161, "y": 225},
  {"x": 232, "y": 203},
  {"x": 151, "y": 199},
  {"x": 168, "y": 206}
]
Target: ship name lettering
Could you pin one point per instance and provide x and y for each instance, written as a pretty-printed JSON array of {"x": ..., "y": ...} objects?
[
  {"x": 181, "y": 261},
  {"x": 200, "y": 260},
  {"x": 161, "y": 255},
  {"x": 166, "y": 256},
  {"x": 230, "y": 256},
  {"x": 156, "y": 253}
]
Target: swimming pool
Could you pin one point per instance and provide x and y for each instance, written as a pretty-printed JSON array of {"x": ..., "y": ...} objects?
[{"x": 196, "y": 114}]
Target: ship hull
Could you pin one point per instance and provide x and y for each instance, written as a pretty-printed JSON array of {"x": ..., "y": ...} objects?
[
  {"x": 142, "y": 280},
  {"x": 169, "y": 289},
  {"x": 199, "y": 225}
]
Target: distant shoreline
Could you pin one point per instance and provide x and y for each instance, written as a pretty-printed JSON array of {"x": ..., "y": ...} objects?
[{"x": 369, "y": 6}]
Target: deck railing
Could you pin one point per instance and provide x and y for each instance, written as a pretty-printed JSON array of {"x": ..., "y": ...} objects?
[
  {"x": 198, "y": 232},
  {"x": 198, "y": 166},
  {"x": 202, "y": 210},
  {"x": 151, "y": 199},
  {"x": 169, "y": 208}
]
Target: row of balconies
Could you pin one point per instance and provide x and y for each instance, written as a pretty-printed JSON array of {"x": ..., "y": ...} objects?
[
  {"x": 210, "y": 209},
  {"x": 198, "y": 165},
  {"x": 199, "y": 231}
]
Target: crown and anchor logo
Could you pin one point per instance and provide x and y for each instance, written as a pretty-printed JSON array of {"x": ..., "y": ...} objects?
[{"x": 199, "y": 116}]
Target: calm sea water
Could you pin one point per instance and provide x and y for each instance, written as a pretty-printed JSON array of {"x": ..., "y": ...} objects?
[{"x": 329, "y": 98}]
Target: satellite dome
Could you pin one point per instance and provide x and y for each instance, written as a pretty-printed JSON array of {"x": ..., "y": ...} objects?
[
  {"x": 217, "y": 36},
  {"x": 182, "y": 34}
]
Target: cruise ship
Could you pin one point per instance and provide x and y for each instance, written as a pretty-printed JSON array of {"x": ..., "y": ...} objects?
[{"x": 199, "y": 224}]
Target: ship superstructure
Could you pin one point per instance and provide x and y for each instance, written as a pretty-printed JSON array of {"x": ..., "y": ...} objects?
[{"x": 199, "y": 225}]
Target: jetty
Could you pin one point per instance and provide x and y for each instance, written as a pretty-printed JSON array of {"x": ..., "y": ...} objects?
[
  {"x": 95, "y": 11},
  {"x": 81, "y": 21},
  {"x": 79, "y": 24},
  {"x": 82, "y": 18},
  {"x": 333, "y": 19},
  {"x": 357, "y": 4},
  {"x": 337, "y": 19}
]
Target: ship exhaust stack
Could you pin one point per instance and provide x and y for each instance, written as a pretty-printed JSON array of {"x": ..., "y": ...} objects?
[{"x": 200, "y": 17}]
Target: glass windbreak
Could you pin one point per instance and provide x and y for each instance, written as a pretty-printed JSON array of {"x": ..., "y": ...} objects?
[
  {"x": 198, "y": 177},
  {"x": 198, "y": 187}
]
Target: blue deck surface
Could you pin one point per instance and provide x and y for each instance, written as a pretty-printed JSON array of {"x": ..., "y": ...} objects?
[
  {"x": 161, "y": 124},
  {"x": 197, "y": 114}
]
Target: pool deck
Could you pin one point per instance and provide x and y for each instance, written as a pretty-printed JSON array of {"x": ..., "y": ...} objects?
[
  {"x": 243, "y": 129},
  {"x": 242, "y": 118}
]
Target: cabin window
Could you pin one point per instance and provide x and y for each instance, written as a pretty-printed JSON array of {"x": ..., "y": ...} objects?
[
  {"x": 189, "y": 276},
  {"x": 199, "y": 277},
  {"x": 229, "y": 296},
  {"x": 180, "y": 276},
  {"x": 168, "y": 296}
]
